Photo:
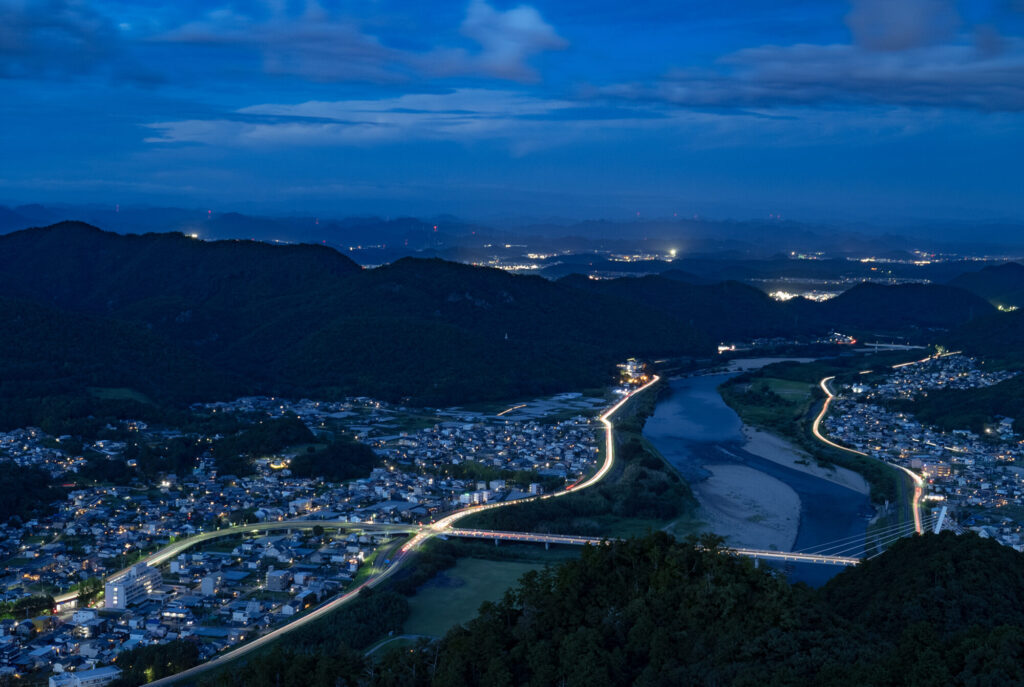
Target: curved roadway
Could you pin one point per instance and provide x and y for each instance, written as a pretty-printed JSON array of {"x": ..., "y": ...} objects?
[
  {"x": 816, "y": 430},
  {"x": 439, "y": 527},
  {"x": 171, "y": 550}
]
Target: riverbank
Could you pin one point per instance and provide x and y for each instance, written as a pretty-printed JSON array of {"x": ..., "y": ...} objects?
[
  {"x": 776, "y": 449},
  {"x": 748, "y": 508},
  {"x": 754, "y": 488}
]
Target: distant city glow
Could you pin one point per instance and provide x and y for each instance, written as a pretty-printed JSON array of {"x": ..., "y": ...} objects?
[{"x": 818, "y": 296}]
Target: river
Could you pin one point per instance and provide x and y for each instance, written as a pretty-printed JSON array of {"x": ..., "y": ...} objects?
[{"x": 693, "y": 428}]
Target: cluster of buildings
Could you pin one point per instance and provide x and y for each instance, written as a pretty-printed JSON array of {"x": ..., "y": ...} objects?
[
  {"x": 30, "y": 446},
  {"x": 976, "y": 475},
  {"x": 430, "y": 462},
  {"x": 219, "y": 594}
]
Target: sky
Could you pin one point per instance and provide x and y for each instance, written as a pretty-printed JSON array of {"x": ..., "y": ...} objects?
[{"x": 859, "y": 110}]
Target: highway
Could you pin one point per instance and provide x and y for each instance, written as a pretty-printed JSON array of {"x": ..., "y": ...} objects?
[{"x": 407, "y": 550}]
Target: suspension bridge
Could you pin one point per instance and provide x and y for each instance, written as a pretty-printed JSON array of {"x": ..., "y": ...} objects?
[{"x": 845, "y": 552}]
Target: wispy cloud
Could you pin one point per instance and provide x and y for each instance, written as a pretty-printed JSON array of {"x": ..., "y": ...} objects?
[
  {"x": 461, "y": 115},
  {"x": 53, "y": 38},
  {"x": 904, "y": 53},
  {"x": 320, "y": 46}
]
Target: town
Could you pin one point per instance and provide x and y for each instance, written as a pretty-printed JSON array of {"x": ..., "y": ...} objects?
[
  {"x": 972, "y": 474},
  {"x": 74, "y": 612}
]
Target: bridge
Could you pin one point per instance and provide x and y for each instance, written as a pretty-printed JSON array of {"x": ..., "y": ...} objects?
[
  {"x": 577, "y": 540},
  {"x": 844, "y": 552}
]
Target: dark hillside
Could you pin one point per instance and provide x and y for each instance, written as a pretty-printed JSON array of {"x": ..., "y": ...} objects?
[
  {"x": 999, "y": 284},
  {"x": 933, "y": 610},
  {"x": 305, "y": 320},
  {"x": 875, "y": 306}
]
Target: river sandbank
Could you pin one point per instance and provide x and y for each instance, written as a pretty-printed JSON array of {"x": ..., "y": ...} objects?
[
  {"x": 748, "y": 508},
  {"x": 778, "y": 450}
]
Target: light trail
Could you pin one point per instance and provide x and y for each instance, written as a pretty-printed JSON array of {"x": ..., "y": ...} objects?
[
  {"x": 165, "y": 554},
  {"x": 509, "y": 410},
  {"x": 915, "y": 503},
  {"x": 440, "y": 527}
]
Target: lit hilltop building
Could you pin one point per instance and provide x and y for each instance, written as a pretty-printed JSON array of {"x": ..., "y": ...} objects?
[{"x": 134, "y": 586}]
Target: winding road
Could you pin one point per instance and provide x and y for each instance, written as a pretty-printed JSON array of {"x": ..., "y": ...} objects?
[
  {"x": 405, "y": 553},
  {"x": 915, "y": 504}
]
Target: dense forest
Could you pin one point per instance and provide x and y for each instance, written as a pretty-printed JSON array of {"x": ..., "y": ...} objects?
[
  {"x": 234, "y": 454},
  {"x": 340, "y": 460},
  {"x": 934, "y": 610},
  {"x": 24, "y": 490}
]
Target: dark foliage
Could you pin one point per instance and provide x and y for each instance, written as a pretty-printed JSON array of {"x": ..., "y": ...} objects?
[
  {"x": 656, "y": 612},
  {"x": 234, "y": 454},
  {"x": 998, "y": 284},
  {"x": 339, "y": 461},
  {"x": 182, "y": 320},
  {"x": 327, "y": 653},
  {"x": 24, "y": 489},
  {"x": 27, "y": 606},
  {"x": 147, "y": 663}
]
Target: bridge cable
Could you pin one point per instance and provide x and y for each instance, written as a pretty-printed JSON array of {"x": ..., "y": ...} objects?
[
  {"x": 861, "y": 542},
  {"x": 817, "y": 548}
]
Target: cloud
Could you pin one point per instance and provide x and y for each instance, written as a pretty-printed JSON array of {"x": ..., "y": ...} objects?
[
  {"x": 891, "y": 25},
  {"x": 53, "y": 38},
  {"x": 519, "y": 122},
  {"x": 912, "y": 53},
  {"x": 507, "y": 41},
  {"x": 311, "y": 45},
  {"x": 318, "y": 46},
  {"x": 462, "y": 115},
  {"x": 941, "y": 76}
]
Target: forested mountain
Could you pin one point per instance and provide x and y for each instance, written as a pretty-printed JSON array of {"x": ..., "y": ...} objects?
[
  {"x": 999, "y": 284},
  {"x": 895, "y": 307},
  {"x": 180, "y": 319},
  {"x": 49, "y": 352},
  {"x": 934, "y": 610}
]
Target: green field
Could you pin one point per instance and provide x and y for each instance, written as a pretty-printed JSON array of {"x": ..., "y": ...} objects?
[
  {"x": 455, "y": 595},
  {"x": 789, "y": 389},
  {"x": 119, "y": 394}
]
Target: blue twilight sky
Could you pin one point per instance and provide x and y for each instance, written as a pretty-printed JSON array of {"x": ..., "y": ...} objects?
[{"x": 816, "y": 109}]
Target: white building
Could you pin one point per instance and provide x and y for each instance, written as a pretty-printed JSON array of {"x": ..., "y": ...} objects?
[
  {"x": 86, "y": 678},
  {"x": 134, "y": 586}
]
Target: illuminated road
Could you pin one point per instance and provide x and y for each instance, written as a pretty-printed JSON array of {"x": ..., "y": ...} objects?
[
  {"x": 509, "y": 410},
  {"x": 440, "y": 527},
  {"x": 261, "y": 642},
  {"x": 796, "y": 557},
  {"x": 915, "y": 504},
  {"x": 168, "y": 552},
  {"x": 446, "y": 523},
  {"x": 574, "y": 540}
]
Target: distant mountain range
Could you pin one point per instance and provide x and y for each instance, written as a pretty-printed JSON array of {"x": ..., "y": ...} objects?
[
  {"x": 179, "y": 319},
  {"x": 376, "y": 240}
]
